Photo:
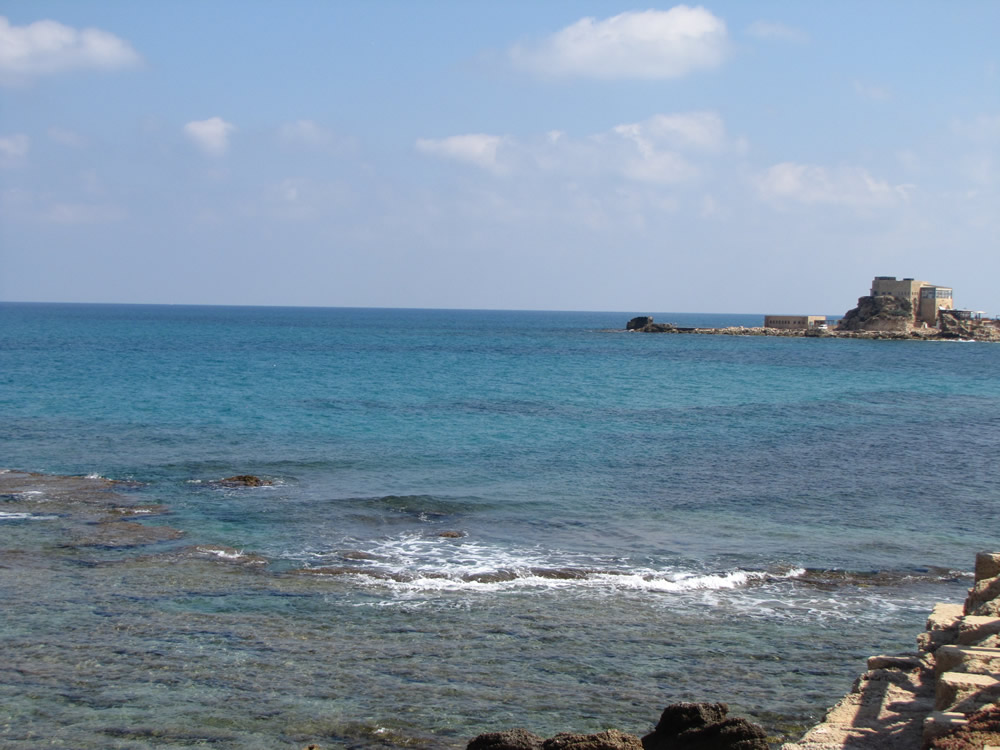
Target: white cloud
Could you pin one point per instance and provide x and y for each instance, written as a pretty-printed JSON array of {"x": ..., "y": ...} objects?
[
  {"x": 811, "y": 184},
  {"x": 475, "y": 148},
  {"x": 650, "y": 44},
  {"x": 13, "y": 149},
  {"x": 661, "y": 149},
  {"x": 211, "y": 135},
  {"x": 48, "y": 47},
  {"x": 768, "y": 30}
]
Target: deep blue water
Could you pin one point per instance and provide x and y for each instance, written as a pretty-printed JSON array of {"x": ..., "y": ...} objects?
[{"x": 644, "y": 519}]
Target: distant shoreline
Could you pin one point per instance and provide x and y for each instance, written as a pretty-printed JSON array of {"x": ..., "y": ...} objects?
[{"x": 929, "y": 334}]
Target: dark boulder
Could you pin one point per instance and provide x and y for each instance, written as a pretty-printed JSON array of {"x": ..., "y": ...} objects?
[
  {"x": 638, "y": 323},
  {"x": 703, "y": 726},
  {"x": 510, "y": 739},
  {"x": 612, "y": 739}
]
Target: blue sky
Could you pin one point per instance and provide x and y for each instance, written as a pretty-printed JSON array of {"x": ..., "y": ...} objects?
[{"x": 728, "y": 157}]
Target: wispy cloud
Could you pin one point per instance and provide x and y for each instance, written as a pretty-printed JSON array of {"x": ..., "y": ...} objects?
[
  {"x": 777, "y": 31},
  {"x": 13, "y": 149},
  {"x": 49, "y": 47},
  {"x": 211, "y": 135},
  {"x": 663, "y": 149},
  {"x": 65, "y": 137},
  {"x": 812, "y": 184},
  {"x": 650, "y": 44},
  {"x": 475, "y": 148}
]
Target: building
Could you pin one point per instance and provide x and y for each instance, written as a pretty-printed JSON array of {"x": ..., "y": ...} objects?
[
  {"x": 794, "y": 322},
  {"x": 925, "y": 299}
]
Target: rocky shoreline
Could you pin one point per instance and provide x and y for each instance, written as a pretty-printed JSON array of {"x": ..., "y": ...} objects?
[
  {"x": 645, "y": 324},
  {"x": 944, "y": 696}
]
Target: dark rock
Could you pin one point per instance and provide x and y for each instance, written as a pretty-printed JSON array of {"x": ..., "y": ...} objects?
[
  {"x": 612, "y": 739},
  {"x": 679, "y": 717},
  {"x": 245, "y": 480},
  {"x": 638, "y": 323},
  {"x": 510, "y": 739},
  {"x": 451, "y": 534},
  {"x": 703, "y": 726}
]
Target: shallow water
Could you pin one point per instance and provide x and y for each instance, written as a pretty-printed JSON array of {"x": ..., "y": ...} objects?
[{"x": 633, "y": 520}]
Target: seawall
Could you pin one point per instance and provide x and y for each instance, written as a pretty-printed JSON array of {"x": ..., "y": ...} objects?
[{"x": 944, "y": 695}]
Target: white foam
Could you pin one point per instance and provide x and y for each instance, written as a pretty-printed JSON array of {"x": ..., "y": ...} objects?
[
  {"x": 223, "y": 553},
  {"x": 26, "y": 517},
  {"x": 414, "y": 563}
]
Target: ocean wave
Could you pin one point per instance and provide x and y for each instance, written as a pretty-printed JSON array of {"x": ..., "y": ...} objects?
[{"x": 4, "y": 516}]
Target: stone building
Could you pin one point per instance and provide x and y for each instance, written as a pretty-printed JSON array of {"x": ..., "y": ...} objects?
[
  {"x": 925, "y": 298},
  {"x": 794, "y": 322}
]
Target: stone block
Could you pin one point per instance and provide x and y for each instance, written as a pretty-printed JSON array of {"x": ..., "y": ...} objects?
[
  {"x": 945, "y": 616},
  {"x": 987, "y": 565},
  {"x": 907, "y": 663},
  {"x": 953, "y": 658},
  {"x": 973, "y": 629},
  {"x": 984, "y": 591},
  {"x": 964, "y": 692}
]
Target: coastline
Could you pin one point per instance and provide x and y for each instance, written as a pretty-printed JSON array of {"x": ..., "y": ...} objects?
[{"x": 930, "y": 334}]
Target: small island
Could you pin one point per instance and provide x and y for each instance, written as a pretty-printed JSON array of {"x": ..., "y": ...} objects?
[{"x": 905, "y": 309}]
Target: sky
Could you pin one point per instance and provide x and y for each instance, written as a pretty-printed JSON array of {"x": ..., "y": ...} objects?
[{"x": 741, "y": 157}]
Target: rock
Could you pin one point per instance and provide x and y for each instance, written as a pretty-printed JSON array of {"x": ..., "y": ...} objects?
[
  {"x": 510, "y": 739},
  {"x": 645, "y": 324},
  {"x": 451, "y": 535},
  {"x": 987, "y": 565},
  {"x": 703, "y": 726},
  {"x": 612, "y": 739},
  {"x": 881, "y": 313},
  {"x": 985, "y": 591},
  {"x": 245, "y": 480},
  {"x": 679, "y": 717}
]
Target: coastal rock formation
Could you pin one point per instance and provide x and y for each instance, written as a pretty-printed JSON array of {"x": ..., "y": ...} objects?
[
  {"x": 682, "y": 726},
  {"x": 953, "y": 327},
  {"x": 946, "y": 696},
  {"x": 881, "y": 313},
  {"x": 645, "y": 324}
]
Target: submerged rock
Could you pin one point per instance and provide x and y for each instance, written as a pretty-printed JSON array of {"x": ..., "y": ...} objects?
[
  {"x": 245, "y": 480},
  {"x": 612, "y": 739},
  {"x": 510, "y": 739}
]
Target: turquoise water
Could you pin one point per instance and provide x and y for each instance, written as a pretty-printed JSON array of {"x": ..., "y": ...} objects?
[{"x": 634, "y": 519}]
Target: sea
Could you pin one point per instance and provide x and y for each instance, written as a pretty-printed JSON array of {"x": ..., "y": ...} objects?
[{"x": 468, "y": 521}]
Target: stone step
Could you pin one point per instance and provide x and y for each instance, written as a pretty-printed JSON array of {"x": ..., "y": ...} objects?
[
  {"x": 972, "y": 629},
  {"x": 964, "y": 692},
  {"x": 970, "y": 658}
]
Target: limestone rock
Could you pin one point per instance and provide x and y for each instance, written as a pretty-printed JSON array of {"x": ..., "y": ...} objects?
[
  {"x": 638, "y": 322},
  {"x": 645, "y": 324},
  {"x": 987, "y": 565},
  {"x": 679, "y": 717},
  {"x": 609, "y": 740},
  {"x": 881, "y": 313},
  {"x": 984, "y": 591},
  {"x": 510, "y": 739}
]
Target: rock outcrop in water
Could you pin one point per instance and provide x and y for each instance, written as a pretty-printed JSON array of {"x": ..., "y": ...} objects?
[
  {"x": 682, "y": 726},
  {"x": 645, "y": 324}
]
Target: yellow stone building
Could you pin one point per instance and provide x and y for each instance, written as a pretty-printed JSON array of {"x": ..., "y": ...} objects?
[{"x": 926, "y": 299}]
